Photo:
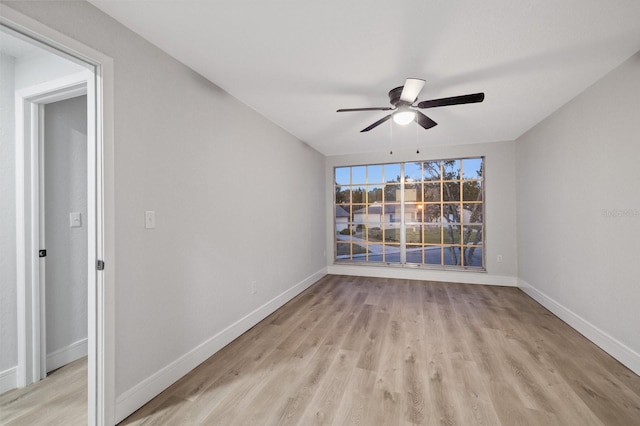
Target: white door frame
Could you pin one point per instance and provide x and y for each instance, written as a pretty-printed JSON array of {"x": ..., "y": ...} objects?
[
  {"x": 100, "y": 197},
  {"x": 30, "y": 102}
]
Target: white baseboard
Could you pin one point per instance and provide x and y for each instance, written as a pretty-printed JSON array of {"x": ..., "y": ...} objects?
[
  {"x": 66, "y": 355},
  {"x": 134, "y": 398},
  {"x": 609, "y": 344},
  {"x": 450, "y": 276},
  {"x": 8, "y": 379}
]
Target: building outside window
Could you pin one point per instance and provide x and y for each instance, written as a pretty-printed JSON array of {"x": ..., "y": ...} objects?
[{"x": 428, "y": 213}]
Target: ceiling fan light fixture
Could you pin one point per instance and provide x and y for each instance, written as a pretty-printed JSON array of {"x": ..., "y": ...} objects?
[
  {"x": 404, "y": 116},
  {"x": 405, "y": 109}
]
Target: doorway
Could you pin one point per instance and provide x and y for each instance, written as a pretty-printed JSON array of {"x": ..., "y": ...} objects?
[
  {"x": 95, "y": 84},
  {"x": 64, "y": 195}
]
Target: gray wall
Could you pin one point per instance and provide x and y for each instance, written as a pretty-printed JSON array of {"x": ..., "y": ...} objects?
[
  {"x": 8, "y": 319},
  {"x": 65, "y": 146},
  {"x": 237, "y": 199},
  {"x": 579, "y": 208}
]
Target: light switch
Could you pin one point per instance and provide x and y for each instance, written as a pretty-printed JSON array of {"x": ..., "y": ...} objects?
[
  {"x": 149, "y": 219},
  {"x": 75, "y": 220}
]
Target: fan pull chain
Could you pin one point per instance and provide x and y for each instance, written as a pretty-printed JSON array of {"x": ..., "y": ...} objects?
[
  {"x": 391, "y": 138},
  {"x": 416, "y": 140}
]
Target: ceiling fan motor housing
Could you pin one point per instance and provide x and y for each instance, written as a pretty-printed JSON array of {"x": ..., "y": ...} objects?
[{"x": 394, "y": 97}]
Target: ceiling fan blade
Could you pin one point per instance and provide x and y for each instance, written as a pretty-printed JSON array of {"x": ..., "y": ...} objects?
[
  {"x": 411, "y": 90},
  {"x": 377, "y": 123},
  {"x": 454, "y": 100},
  {"x": 424, "y": 121},
  {"x": 365, "y": 109}
]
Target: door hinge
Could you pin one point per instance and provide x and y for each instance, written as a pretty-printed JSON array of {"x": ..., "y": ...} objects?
[
  {"x": 42, "y": 253},
  {"x": 100, "y": 265}
]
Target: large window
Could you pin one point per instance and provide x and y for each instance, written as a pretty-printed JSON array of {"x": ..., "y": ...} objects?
[{"x": 427, "y": 213}]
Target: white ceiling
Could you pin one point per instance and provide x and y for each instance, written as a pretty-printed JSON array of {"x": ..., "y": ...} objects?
[
  {"x": 15, "y": 47},
  {"x": 297, "y": 61}
]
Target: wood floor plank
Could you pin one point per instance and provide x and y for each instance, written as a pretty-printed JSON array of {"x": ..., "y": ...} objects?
[
  {"x": 356, "y": 401},
  {"x": 62, "y": 393},
  {"x": 373, "y": 351},
  {"x": 324, "y": 403}
]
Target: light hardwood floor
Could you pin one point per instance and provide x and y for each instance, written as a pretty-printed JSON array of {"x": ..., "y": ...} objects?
[
  {"x": 60, "y": 399},
  {"x": 365, "y": 351}
]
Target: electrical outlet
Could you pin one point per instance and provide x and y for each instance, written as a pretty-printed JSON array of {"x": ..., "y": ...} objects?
[
  {"x": 254, "y": 287},
  {"x": 499, "y": 258}
]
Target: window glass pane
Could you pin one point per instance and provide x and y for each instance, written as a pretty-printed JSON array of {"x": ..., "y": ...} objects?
[
  {"x": 343, "y": 250},
  {"x": 359, "y": 251},
  {"x": 413, "y": 233},
  {"x": 391, "y": 233},
  {"x": 360, "y": 257},
  {"x": 359, "y": 214},
  {"x": 451, "y": 170},
  {"x": 375, "y": 252},
  {"x": 451, "y": 213},
  {"x": 392, "y": 173},
  {"x": 472, "y": 168},
  {"x": 451, "y": 234},
  {"x": 342, "y": 217},
  {"x": 375, "y": 213},
  {"x": 432, "y": 234},
  {"x": 472, "y": 190},
  {"x": 451, "y": 191},
  {"x": 391, "y": 193},
  {"x": 392, "y": 213},
  {"x": 432, "y": 255},
  {"x": 374, "y": 174},
  {"x": 358, "y": 175},
  {"x": 374, "y": 193},
  {"x": 472, "y": 234},
  {"x": 359, "y": 231},
  {"x": 413, "y": 172},
  {"x": 411, "y": 193},
  {"x": 412, "y": 213},
  {"x": 343, "y": 175},
  {"x": 343, "y": 194},
  {"x": 358, "y": 194},
  {"x": 431, "y": 192},
  {"x": 414, "y": 254},
  {"x": 473, "y": 256},
  {"x": 343, "y": 212},
  {"x": 452, "y": 255},
  {"x": 431, "y": 213},
  {"x": 472, "y": 213},
  {"x": 343, "y": 232},
  {"x": 392, "y": 253},
  {"x": 418, "y": 215},
  {"x": 375, "y": 233},
  {"x": 431, "y": 170}
]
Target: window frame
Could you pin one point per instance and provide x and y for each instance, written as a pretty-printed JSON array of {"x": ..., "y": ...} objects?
[{"x": 393, "y": 233}]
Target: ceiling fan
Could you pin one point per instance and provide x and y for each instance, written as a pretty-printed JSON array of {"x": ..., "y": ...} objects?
[{"x": 404, "y": 111}]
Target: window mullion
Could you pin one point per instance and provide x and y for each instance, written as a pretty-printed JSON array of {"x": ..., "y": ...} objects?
[{"x": 403, "y": 232}]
